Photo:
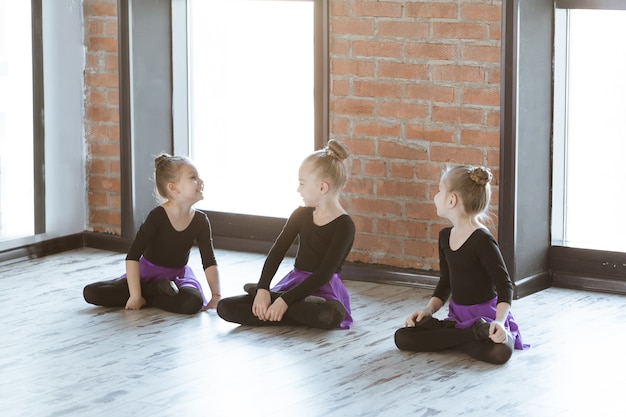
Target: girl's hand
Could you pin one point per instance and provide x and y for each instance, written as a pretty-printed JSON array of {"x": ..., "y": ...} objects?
[
  {"x": 497, "y": 333},
  {"x": 417, "y": 316},
  {"x": 212, "y": 302},
  {"x": 135, "y": 303},
  {"x": 277, "y": 310},
  {"x": 262, "y": 301}
]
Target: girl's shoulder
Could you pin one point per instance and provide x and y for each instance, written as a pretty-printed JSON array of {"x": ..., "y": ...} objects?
[
  {"x": 199, "y": 214},
  {"x": 482, "y": 233},
  {"x": 157, "y": 213},
  {"x": 445, "y": 232}
]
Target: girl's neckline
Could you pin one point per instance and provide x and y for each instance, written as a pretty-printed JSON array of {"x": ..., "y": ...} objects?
[
  {"x": 466, "y": 239},
  {"x": 169, "y": 220},
  {"x": 326, "y": 223}
]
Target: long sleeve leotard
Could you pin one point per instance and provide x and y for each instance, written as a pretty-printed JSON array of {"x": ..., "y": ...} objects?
[{"x": 322, "y": 250}]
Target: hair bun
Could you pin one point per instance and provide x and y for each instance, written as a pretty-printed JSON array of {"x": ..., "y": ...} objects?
[
  {"x": 336, "y": 150},
  {"x": 480, "y": 175},
  {"x": 160, "y": 159}
]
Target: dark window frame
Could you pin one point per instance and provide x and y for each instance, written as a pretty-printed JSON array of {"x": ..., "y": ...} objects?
[{"x": 526, "y": 160}]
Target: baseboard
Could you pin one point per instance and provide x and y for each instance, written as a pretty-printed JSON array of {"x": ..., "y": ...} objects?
[
  {"x": 531, "y": 284},
  {"x": 585, "y": 283},
  {"x": 385, "y": 275},
  {"x": 113, "y": 243},
  {"x": 43, "y": 248}
]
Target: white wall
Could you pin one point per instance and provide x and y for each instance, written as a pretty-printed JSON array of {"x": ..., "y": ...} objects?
[{"x": 64, "y": 58}]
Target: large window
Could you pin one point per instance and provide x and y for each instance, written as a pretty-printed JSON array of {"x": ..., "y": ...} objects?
[
  {"x": 589, "y": 129},
  {"x": 251, "y": 101},
  {"x": 17, "y": 212}
]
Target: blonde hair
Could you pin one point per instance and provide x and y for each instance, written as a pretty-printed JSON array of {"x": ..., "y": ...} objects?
[
  {"x": 329, "y": 163},
  {"x": 166, "y": 170},
  {"x": 472, "y": 184}
]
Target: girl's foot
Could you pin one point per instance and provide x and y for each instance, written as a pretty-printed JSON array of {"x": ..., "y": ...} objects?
[
  {"x": 481, "y": 329},
  {"x": 167, "y": 287}
]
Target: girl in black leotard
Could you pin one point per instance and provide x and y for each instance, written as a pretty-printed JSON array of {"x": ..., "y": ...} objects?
[
  {"x": 157, "y": 273},
  {"x": 312, "y": 294},
  {"x": 472, "y": 274}
]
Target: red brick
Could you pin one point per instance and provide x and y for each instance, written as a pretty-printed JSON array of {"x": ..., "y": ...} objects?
[
  {"x": 103, "y": 114},
  {"x": 432, "y": 10},
  {"x": 375, "y": 168},
  {"x": 403, "y": 70},
  {"x": 459, "y": 73},
  {"x": 353, "y": 67},
  {"x": 101, "y": 8},
  {"x": 402, "y": 170},
  {"x": 456, "y": 154},
  {"x": 376, "y": 206},
  {"x": 430, "y": 134},
  {"x": 431, "y": 93},
  {"x": 402, "y": 227},
  {"x": 377, "y": 89},
  {"x": 103, "y": 44},
  {"x": 377, "y": 8},
  {"x": 377, "y": 49},
  {"x": 457, "y": 115},
  {"x": 402, "y": 29},
  {"x": 481, "y": 53},
  {"x": 481, "y": 96},
  {"x": 377, "y": 128},
  {"x": 459, "y": 30},
  {"x": 483, "y": 12},
  {"x": 423, "y": 211},
  {"x": 480, "y": 138},
  {"x": 352, "y": 106},
  {"x": 353, "y": 26},
  {"x": 402, "y": 110},
  {"x": 388, "y": 149},
  {"x": 431, "y": 51},
  {"x": 397, "y": 188}
]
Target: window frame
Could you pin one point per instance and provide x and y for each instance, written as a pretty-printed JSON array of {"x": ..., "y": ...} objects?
[
  {"x": 579, "y": 268},
  {"x": 527, "y": 158}
]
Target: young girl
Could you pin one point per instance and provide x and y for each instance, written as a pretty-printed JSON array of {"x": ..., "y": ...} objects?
[
  {"x": 312, "y": 294},
  {"x": 157, "y": 273},
  {"x": 472, "y": 272}
]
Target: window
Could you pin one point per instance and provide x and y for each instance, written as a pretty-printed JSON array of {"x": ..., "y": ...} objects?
[
  {"x": 17, "y": 201},
  {"x": 251, "y": 101},
  {"x": 589, "y": 133}
]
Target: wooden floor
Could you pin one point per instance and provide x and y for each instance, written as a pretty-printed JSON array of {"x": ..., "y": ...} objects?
[{"x": 62, "y": 357}]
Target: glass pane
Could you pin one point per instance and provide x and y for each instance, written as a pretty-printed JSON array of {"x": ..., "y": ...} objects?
[
  {"x": 16, "y": 121},
  {"x": 251, "y": 102},
  {"x": 596, "y": 132}
]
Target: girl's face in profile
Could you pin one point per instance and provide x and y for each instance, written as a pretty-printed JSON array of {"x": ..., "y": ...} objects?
[
  {"x": 189, "y": 183},
  {"x": 440, "y": 199},
  {"x": 310, "y": 187}
]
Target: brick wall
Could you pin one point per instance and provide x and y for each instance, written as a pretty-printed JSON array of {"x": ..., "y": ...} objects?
[
  {"x": 102, "y": 115},
  {"x": 415, "y": 85}
]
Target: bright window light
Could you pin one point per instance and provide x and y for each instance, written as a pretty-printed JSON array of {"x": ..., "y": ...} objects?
[{"x": 251, "y": 102}]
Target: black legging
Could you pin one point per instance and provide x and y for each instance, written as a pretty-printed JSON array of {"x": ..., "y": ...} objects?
[
  {"x": 443, "y": 335},
  {"x": 322, "y": 315},
  {"x": 114, "y": 293}
]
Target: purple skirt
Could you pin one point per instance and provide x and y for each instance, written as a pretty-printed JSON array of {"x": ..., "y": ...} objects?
[
  {"x": 332, "y": 290},
  {"x": 182, "y": 277},
  {"x": 466, "y": 316}
]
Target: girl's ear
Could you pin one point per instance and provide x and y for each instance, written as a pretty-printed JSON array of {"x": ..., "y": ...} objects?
[
  {"x": 453, "y": 200},
  {"x": 171, "y": 187},
  {"x": 324, "y": 187}
]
